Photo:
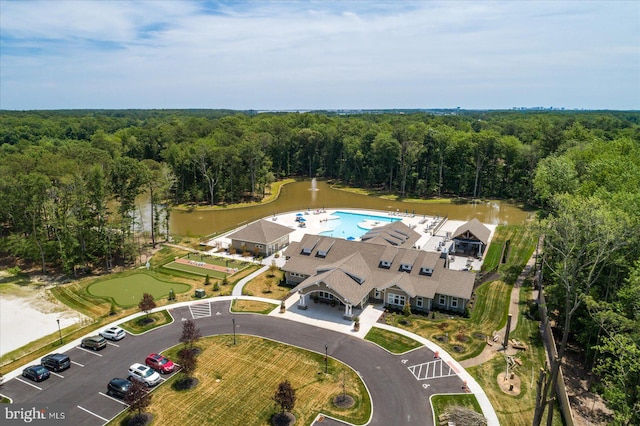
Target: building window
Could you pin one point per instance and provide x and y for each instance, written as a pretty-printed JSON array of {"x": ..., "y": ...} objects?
[
  {"x": 396, "y": 299},
  {"x": 419, "y": 303},
  {"x": 454, "y": 302},
  {"x": 325, "y": 295},
  {"x": 442, "y": 300},
  {"x": 259, "y": 246},
  {"x": 376, "y": 294}
]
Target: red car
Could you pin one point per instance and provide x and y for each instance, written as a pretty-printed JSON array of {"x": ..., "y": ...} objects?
[{"x": 160, "y": 364}]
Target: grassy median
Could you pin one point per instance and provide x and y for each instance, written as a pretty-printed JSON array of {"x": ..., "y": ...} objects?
[{"x": 236, "y": 383}]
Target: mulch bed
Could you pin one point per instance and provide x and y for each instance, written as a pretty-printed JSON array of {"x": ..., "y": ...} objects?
[
  {"x": 140, "y": 420},
  {"x": 283, "y": 419},
  {"x": 343, "y": 401}
]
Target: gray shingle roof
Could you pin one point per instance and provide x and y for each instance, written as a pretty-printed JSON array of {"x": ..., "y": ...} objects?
[
  {"x": 473, "y": 230},
  {"x": 261, "y": 232},
  {"x": 352, "y": 268},
  {"x": 396, "y": 233}
]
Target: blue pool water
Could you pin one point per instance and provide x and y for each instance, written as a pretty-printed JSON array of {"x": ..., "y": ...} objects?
[{"x": 347, "y": 224}]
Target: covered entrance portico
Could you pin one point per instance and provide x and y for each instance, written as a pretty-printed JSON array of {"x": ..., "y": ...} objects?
[{"x": 328, "y": 297}]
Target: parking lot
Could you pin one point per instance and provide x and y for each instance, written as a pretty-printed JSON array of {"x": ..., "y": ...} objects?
[{"x": 82, "y": 389}]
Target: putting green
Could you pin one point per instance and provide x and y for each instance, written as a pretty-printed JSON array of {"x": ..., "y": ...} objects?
[{"x": 127, "y": 291}]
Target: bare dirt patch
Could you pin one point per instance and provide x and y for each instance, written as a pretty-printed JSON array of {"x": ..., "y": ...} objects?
[{"x": 588, "y": 408}]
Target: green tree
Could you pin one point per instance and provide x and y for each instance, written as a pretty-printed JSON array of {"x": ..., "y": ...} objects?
[
  {"x": 386, "y": 150},
  {"x": 579, "y": 239}
]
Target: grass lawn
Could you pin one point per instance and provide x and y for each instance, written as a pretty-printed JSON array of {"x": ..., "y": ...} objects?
[
  {"x": 253, "y": 306},
  {"x": 461, "y": 337},
  {"x": 521, "y": 247},
  {"x": 195, "y": 270},
  {"x": 516, "y": 410},
  {"x": 145, "y": 323},
  {"x": 236, "y": 383},
  {"x": 127, "y": 290},
  {"x": 393, "y": 342},
  {"x": 266, "y": 285},
  {"x": 440, "y": 403}
]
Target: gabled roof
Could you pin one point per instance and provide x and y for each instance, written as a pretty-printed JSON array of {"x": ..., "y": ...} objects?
[
  {"x": 473, "y": 230},
  {"x": 261, "y": 232},
  {"x": 409, "y": 257},
  {"x": 429, "y": 260},
  {"x": 403, "y": 282},
  {"x": 353, "y": 265},
  {"x": 389, "y": 254},
  {"x": 324, "y": 247},
  {"x": 395, "y": 233},
  {"x": 352, "y": 269}
]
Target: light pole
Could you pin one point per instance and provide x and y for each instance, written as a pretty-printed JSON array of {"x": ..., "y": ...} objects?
[
  {"x": 233, "y": 320},
  {"x": 326, "y": 349},
  {"x": 59, "y": 331}
]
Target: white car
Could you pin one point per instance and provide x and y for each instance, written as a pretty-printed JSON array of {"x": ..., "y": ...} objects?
[
  {"x": 113, "y": 333},
  {"x": 144, "y": 374}
]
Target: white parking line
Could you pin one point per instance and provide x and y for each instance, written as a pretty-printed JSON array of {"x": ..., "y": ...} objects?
[
  {"x": 115, "y": 399},
  {"x": 87, "y": 350},
  {"x": 113, "y": 344},
  {"x": 77, "y": 363},
  {"x": 27, "y": 383},
  {"x": 93, "y": 414},
  {"x": 57, "y": 375}
]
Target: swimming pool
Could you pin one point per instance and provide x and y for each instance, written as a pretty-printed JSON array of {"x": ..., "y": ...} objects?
[{"x": 354, "y": 225}]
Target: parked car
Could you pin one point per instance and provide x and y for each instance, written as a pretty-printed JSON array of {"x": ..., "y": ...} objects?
[
  {"x": 144, "y": 374},
  {"x": 56, "y": 362},
  {"x": 94, "y": 342},
  {"x": 160, "y": 363},
  {"x": 37, "y": 373},
  {"x": 113, "y": 333},
  {"x": 118, "y": 387}
]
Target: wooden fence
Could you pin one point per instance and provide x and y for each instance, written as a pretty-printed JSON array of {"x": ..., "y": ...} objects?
[{"x": 552, "y": 353}]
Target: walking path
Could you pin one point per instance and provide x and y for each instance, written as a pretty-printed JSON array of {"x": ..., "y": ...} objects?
[{"x": 514, "y": 309}]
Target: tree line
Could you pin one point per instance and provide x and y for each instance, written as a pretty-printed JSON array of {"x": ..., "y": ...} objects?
[{"x": 69, "y": 179}]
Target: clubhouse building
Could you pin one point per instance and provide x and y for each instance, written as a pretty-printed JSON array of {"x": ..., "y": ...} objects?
[{"x": 383, "y": 267}]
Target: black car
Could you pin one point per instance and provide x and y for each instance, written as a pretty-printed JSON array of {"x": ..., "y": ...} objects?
[
  {"x": 37, "y": 373},
  {"x": 56, "y": 362},
  {"x": 118, "y": 387}
]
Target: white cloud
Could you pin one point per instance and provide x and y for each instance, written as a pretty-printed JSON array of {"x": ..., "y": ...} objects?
[{"x": 318, "y": 54}]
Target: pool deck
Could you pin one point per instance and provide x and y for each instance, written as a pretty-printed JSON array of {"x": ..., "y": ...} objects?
[{"x": 318, "y": 221}]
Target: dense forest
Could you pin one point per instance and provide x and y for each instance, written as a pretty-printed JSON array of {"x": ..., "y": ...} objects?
[{"x": 68, "y": 181}]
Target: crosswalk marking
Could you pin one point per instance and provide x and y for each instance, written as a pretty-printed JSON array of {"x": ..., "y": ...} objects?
[
  {"x": 200, "y": 310},
  {"x": 432, "y": 370}
]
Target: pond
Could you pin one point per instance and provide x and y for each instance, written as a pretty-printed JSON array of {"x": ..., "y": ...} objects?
[{"x": 301, "y": 196}]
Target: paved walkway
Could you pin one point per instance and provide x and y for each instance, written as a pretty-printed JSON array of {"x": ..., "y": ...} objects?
[{"x": 514, "y": 309}]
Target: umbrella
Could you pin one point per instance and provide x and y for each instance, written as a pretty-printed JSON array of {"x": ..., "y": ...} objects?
[
  {"x": 302, "y": 219},
  {"x": 299, "y": 214},
  {"x": 350, "y": 238}
]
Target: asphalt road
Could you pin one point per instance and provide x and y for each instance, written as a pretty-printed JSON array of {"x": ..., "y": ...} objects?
[{"x": 400, "y": 385}]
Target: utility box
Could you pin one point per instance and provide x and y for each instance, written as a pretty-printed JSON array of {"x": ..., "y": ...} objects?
[{"x": 199, "y": 293}]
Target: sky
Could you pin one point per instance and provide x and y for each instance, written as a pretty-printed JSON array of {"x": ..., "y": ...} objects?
[{"x": 309, "y": 55}]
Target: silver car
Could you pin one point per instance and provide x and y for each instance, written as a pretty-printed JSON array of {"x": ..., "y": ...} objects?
[{"x": 113, "y": 333}]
